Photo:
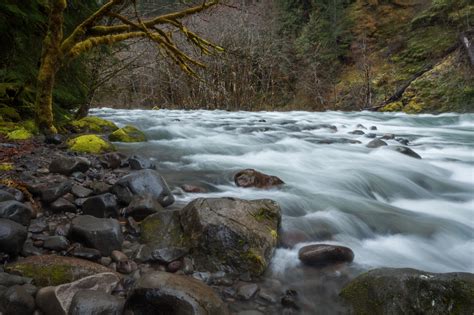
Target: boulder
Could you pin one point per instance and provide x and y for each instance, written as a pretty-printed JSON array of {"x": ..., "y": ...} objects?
[
  {"x": 410, "y": 291},
  {"x": 16, "y": 211},
  {"x": 357, "y": 132},
  {"x": 253, "y": 178},
  {"x": 143, "y": 182},
  {"x": 104, "y": 235},
  {"x": 388, "y": 136},
  {"x": 127, "y": 134},
  {"x": 95, "y": 302},
  {"x": 68, "y": 165},
  {"x": 91, "y": 124},
  {"x": 12, "y": 237},
  {"x": 59, "y": 299},
  {"x": 89, "y": 144},
  {"x": 19, "y": 134},
  {"x": 17, "y": 300},
  {"x": 376, "y": 143},
  {"x": 101, "y": 206},
  {"x": 142, "y": 206},
  {"x": 322, "y": 255},
  {"x": 167, "y": 293},
  {"x": 80, "y": 191},
  {"x": 52, "y": 192},
  {"x": 405, "y": 150},
  {"x": 138, "y": 162},
  {"x": 54, "y": 270},
  {"x": 230, "y": 234},
  {"x": 193, "y": 189}
]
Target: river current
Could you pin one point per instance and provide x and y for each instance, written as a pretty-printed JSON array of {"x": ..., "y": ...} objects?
[{"x": 392, "y": 210}]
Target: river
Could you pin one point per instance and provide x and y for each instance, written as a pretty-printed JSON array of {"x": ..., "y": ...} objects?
[{"x": 392, "y": 210}]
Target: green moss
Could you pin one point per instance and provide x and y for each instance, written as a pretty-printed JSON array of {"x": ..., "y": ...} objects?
[
  {"x": 9, "y": 114},
  {"x": 256, "y": 262},
  {"x": 392, "y": 107},
  {"x": 19, "y": 134},
  {"x": 45, "y": 275},
  {"x": 274, "y": 234},
  {"x": 264, "y": 214},
  {"x": 89, "y": 144},
  {"x": 5, "y": 167},
  {"x": 92, "y": 124},
  {"x": 127, "y": 134}
]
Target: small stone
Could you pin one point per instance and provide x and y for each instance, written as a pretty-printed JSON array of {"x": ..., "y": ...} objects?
[
  {"x": 12, "y": 237},
  {"x": 247, "y": 291},
  {"x": 56, "y": 243},
  {"x": 62, "y": 205},
  {"x": 142, "y": 206},
  {"x": 5, "y": 196},
  {"x": 101, "y": 206},
  {"x": 105, "y": 261},
  {"x": 81, "y": 191},
  {"x": 118, "y": 256},
  {"x": 373, "y": 128},
  {"x": 54, "y": 191},
  {"x": 17, "y": 300},
  {"x": 29, "y": 249},
  {"x": 8, "y": 280},
  {"x": 99, "y": 187}
]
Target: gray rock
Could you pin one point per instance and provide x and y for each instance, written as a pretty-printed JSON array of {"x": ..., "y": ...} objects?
[
  {"x": 167, "y": 255},
  {"x": 163, "y": 230},
  {"x": 230, "y": 234},
  {"x": 167, "y": 293},
  {"x": 138, "y": 162},
  {"x": 357, "y": 132},
  {"x": 376, "y": 143},
  {"x": 113, "y": 160},
  {"x": 80, "y": 191},
  {"x": 410, "y": 291},
  {"x": 17, "y": 300},
  {"x": 5, "y": 196},
  {"x": 69, "y": 165},
  {"x": 337, "y": 141},
  {"x": 89, "y": 302},
  {"x": 247, "y": 291},
  {"x": 56, "y": 243},
  {"x": 86, "y": 253},
  {"x": 54, "y": 139},
  {"x": 101, "y": 206},
  {"x": 8, "y": 280},
  {"x": 323, "y": 254},
  {"x": 142, "y": 206},
  {"x": 371, "y": 135},
  {"x": 12, "y": 237},
  {"x": 143, "y": 182},
  {"x": 118, "y": 256},
  {"x": 102, "y": 234},
  {"x": 52, "y": 192},
  {"x": 57, "y": 300},
  {"x": 388, "y": 136},
  {"x": 62, "y": 205},
  {"x": 16, "y": 211},
  {"x": 31, "y": 250},
  {"x": 405, "y": 150}
]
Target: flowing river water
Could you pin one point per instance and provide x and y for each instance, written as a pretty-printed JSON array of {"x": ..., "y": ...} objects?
[{"x": 392, "y": 210}]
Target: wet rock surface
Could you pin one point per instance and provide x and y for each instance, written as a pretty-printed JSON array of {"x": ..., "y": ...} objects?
[
  {"x": 323, "y": 255},
  {"x": 253, "y": 178}
]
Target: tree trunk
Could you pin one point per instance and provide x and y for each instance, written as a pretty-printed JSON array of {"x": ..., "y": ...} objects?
[{"x": 50, "y": 60}]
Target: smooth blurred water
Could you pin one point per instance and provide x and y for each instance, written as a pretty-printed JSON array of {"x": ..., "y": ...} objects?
[{"x": 392, "y": 210}]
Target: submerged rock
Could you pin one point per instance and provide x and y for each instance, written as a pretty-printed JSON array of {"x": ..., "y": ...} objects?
[
  {"x": 230, "y": 234},
  {"x": 54, "y": 270},
  {"x": 143, "y": 182},
  {"x": 166, "y": 293},
  {"x": 405, "y": 150},
  {"x": 410, "y": 291},
  {"x": 127, "y": 134},
  {"x": 376, "y": 143},
  {"x": 253, "y": 178},
  {"x": 323, "y": 255}
]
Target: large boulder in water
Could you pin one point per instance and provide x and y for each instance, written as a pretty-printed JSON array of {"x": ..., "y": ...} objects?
[
  {"x": 141, "y": 182},
  {"x": 410, "y": 291},
  {"x": 252, "y": 178},
  {"x": 230, "y": 234},
  {"x": 166, "y": 293},
  {"x": 127, "y": 134}
]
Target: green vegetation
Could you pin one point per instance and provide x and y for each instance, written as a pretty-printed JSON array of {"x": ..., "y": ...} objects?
[
  {"x": 127, "y": 134},
  {"x": 89, "y": 144}
]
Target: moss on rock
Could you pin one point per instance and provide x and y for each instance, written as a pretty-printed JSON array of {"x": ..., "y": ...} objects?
[
  {"x": 5, "y": 167},
  {"x": 19, "y": 134},
  {"x": 127, "y": 134},
  {"x": 92, "y": 124},
  {"x": 89, "y": 144}
]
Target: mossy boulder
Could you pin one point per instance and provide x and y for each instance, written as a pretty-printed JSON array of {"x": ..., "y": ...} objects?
[
  {"x": 410, "y": 291},
  {"x": 19, "y": 134},
  {"x": 163, "y": 229},
  {"x": 92, "y": 124},
  {"x": 9, "y": 114},
  {"x": 232, "y": 234},
  {"x": 54, "y": 270},
  {"x": 89, "y": 144},
  {"x": 127, "y": 134}
]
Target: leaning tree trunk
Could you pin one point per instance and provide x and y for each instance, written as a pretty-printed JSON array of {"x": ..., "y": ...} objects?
[{"x": 50, "y": 60}]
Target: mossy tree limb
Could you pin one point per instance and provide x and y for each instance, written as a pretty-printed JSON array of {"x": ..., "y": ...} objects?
[{"x": 89, "y": 34}]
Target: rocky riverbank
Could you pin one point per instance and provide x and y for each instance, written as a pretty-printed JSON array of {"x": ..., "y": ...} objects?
[{"x": 72, "y": 221}]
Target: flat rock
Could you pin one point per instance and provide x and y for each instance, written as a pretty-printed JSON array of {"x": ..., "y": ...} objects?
[
  {"x": 80, "y": 191},
  {"x": 247, "y": 291},
  {"x": 16, "y": 211},
  {"x": 163, "y": 230},
  {"x": 323, "y": 254},
  {"x": 68, "y": 165},
  {"x": 253, "y": 178},
  {"x": 143, "y": 182},
  {"x": 167, "y": 293},
  {"x": 54, "y": 270},
  {"x": 410, "y": 291},
  {"x": 104, "y": 235},
  {"x": 95, "y": 302},
  {"x": 56, "y": 243},
  {"x": 8, "y": 280},
  {"x": 12, "y": 237},
  {"x": 58, "y": 299}
]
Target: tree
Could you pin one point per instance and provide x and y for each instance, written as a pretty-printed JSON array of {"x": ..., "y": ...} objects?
[{"x": 58, "y": 49}]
